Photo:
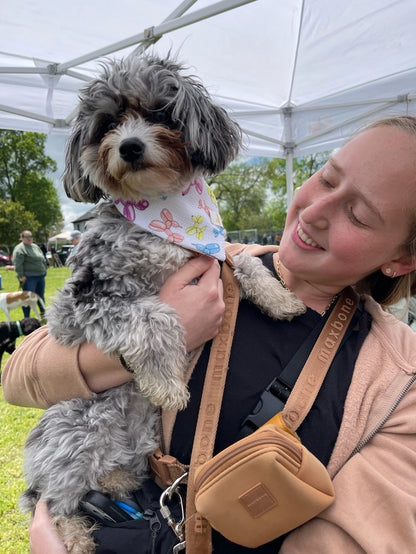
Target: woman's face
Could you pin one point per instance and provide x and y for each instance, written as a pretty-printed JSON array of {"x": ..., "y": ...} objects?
[{"x": 353, "y": 216}]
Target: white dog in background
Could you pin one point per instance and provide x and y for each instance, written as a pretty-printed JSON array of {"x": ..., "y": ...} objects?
[{"x": 27, "y": 298}]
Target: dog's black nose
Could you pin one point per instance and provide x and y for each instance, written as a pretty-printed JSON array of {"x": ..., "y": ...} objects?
[{"x": 131, "y": 149}]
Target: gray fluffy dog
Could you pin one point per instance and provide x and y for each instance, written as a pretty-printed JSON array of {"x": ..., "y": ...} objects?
[{"x": 143, "y": 128}]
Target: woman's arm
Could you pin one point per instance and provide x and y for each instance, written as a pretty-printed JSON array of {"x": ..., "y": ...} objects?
[
  {"x": 18, "y": 261},
  {"x": 375, "y": 494},
  {"x": 42, "y": 372}
]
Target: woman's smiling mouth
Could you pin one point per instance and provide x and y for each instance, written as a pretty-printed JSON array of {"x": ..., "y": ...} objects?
[{"x": 305, "y": 238}]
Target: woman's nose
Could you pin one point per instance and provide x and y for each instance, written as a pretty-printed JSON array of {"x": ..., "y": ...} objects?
[{"x": 318, "y": 213}]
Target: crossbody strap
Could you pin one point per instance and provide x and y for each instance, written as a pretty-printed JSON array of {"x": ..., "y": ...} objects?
[
  {"x": 338, "y": 325},
  {"x": 197, "y": 529},
  {"x": 275, "y": 395},
  {"x": 316, "y": 367}
]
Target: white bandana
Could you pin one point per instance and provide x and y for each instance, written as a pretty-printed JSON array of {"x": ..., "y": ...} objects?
[{"x": 189, "y": 218}]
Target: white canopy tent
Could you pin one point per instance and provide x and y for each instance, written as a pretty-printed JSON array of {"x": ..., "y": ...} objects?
[
  {"x": 298, "y": 75},
  {"x": 59, "y": 238}
]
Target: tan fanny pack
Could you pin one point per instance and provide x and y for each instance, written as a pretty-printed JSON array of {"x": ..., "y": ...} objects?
[
  {"x": 262, "y": 487},
  {"x": 267, "y": 483}
]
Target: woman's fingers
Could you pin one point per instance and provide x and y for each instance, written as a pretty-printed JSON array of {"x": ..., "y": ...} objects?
[
  {"x": 43, "y": 537},
  {"x": 195, "y": 292}
]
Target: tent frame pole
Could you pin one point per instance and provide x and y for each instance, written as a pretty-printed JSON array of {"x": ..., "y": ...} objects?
[
  {"x": 152, "y": 32},
  {"x": 289, "y": 148}
]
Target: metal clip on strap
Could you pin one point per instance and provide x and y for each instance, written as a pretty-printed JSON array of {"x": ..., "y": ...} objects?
[{"x": 176, "y": 526}]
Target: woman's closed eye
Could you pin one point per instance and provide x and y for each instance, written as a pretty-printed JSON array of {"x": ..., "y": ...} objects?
[
  {"x": 325, "y": 183},
  {"x": 356, "y": 220}
]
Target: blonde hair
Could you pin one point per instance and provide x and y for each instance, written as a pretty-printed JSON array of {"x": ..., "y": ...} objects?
[{"x": 389, "y": 290}]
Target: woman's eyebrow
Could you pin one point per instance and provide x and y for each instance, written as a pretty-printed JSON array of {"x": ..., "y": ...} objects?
[{"x": 338, "y": 168}]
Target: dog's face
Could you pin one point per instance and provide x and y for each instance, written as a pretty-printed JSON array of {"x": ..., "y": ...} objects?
[{"x": 144, "y": 128}]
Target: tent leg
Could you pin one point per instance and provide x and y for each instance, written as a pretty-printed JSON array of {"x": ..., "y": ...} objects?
[
  {"x": 289, "y": 177},
  {"x": 289, "y": 149}
]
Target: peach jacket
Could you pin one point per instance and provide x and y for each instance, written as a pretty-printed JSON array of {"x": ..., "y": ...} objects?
[{"x": 375, "y": 488}]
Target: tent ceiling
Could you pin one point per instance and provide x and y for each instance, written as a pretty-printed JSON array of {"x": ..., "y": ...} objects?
[{"x": 299, "y": 76}]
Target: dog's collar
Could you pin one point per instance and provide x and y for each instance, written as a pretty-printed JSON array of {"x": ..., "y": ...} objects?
[
  {"x": 189, "y": 218},
  {"x": 19, "y": 328}
]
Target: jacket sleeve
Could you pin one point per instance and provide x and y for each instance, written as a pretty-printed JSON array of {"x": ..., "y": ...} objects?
[
  {"x": 41, "y": 372},
  {"x": 375, "y": 491}
]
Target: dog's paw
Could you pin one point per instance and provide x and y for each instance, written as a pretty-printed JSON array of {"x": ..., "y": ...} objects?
[
  {"x": 176, "y": 399},
  {"x": 171, "y": 395},
  {"x": 259, "y": 286},
  {"x": 76, "y": 533}
]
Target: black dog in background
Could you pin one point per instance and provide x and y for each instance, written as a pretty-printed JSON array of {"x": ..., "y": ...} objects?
[{"x": 11, "y": 330}]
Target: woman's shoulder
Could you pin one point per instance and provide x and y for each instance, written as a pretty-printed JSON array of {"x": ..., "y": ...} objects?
[{"x": 393, "y": 337}]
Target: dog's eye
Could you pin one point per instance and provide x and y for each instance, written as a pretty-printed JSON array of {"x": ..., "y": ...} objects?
[
  {"x": 160, "y": 116},
  {"x": 103, "y": 125}
]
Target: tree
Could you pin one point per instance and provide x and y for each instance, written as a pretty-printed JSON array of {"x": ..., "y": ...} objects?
[
  {"x": 241, "y": 191},
  {"x": 252, "y": 194},
  {"x": 305, "y": 167},
  {"x": 41, "y": 198},
  {"x": 14, "y": 219},
  {"x": 275, "y": 212},
  {"x": 23, "y": 180},
  {"x": 276, "y": 173}
]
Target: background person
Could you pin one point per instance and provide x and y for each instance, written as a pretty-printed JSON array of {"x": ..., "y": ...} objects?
[
  {"x": 30, "y": 265},
  {"x": 351, "y": 223},
  {"x": 75, "y": 237}
]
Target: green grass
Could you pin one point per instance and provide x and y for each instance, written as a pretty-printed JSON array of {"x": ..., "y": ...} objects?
[{"x": 15, "y": 424}]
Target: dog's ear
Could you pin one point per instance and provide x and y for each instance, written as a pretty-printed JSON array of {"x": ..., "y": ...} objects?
[
  {"x": 214, "y": 139},
  {"x": 78, "y": 186},
  {"x": 219, "y": 141}
]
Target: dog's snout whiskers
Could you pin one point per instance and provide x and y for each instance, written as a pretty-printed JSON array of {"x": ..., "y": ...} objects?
[{"x": 131, "y": 149}]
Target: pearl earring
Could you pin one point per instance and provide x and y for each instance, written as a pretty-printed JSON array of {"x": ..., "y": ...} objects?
[{"x": 387, "y": 270}]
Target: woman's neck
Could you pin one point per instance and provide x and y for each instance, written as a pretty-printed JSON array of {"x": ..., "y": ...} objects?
[{"x": 312, "y": 296}]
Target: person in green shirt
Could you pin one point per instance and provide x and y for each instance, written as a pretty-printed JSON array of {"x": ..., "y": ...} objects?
[{"x": 30, "y": 266}]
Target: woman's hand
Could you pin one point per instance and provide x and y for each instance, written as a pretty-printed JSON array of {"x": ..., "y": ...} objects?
[
  {"x": 200, "y": 306},
  {"x": 42, "y": 534}
]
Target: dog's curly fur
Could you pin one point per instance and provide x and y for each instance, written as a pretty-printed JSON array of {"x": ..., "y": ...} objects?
[
  {"x": 142, "y": 127},
  {"x": 80, "y": 445}
]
